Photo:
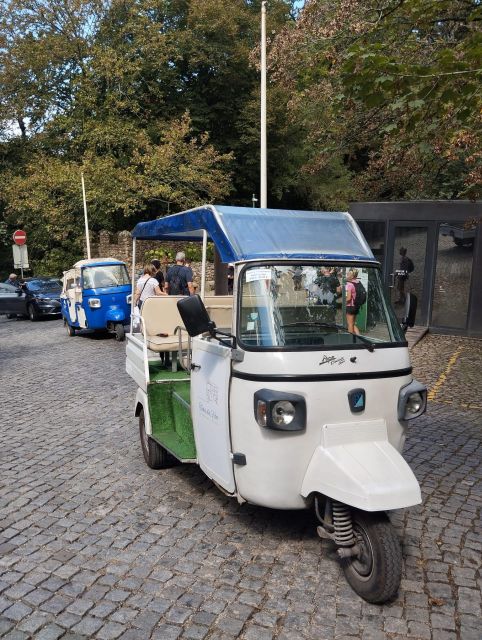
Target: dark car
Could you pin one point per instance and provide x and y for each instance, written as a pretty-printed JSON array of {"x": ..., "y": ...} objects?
[{"x": 34, "y": 298}]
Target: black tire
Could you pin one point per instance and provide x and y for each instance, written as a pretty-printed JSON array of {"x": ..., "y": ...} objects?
[
  {"x": 156, "y": 457},
  {"x": 10, "y": 316},
  {"x": 70, "y": 329},
  {"x": 374, "y": 575},
  {"x": 120, "y": 333},
  {"x": 32, "y": 312}
]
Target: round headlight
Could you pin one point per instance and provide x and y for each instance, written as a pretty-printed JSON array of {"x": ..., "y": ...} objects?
[
  {"x": 414, "y": 403},
  {"x": 283, "y": 412}
]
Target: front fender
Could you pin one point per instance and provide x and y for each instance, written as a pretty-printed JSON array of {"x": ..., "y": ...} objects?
[
  {"x": 115, "y": 314},
  {"x": 357, "y": 465},
  {"x": 142, "y": 402}
]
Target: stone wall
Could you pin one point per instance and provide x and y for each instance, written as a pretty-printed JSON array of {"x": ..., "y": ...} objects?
[{"x": 119, "y": 246}]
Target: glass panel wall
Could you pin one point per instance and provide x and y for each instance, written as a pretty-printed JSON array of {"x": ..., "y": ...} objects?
[
  {"x": 374, "y": 232},
  {"x": 452, "y": 276}
]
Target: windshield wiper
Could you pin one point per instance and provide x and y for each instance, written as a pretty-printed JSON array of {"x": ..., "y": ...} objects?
[{"x": 332, "y": 325}]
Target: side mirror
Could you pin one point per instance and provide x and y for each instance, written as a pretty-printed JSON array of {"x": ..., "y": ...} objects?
[
  {"x": 194, "y": 315},
  {"x": 410, "y": 311}
]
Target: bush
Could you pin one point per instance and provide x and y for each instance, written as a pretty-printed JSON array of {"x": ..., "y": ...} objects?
[{"x": 193, "y": 251}]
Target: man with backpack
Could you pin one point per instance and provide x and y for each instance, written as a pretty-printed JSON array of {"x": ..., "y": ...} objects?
[
  {"x": 179, "y": 277},
  {"x": 406, "y": 267}
]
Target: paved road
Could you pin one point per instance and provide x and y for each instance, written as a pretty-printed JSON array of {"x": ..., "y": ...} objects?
[{"x": 93, "y": 544}]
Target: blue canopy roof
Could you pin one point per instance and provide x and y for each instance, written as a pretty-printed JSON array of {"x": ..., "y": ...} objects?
[{"x": 245, "y": 233}]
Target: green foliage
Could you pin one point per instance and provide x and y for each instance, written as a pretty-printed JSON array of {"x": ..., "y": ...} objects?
[
  {"x": 391, "y": 91},
  {"x": 193, "y": 251},
  {"x": 142, "y": 96}
]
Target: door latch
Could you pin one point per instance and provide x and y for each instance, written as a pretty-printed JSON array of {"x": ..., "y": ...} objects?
[{"x": 238, "y": 458}]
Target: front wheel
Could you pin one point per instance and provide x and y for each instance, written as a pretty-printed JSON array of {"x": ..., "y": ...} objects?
[
  {"x": 156, "y": 457},
  {"x": 120, "y": 333},
  {"x": 375, "y": 573},
  {"x": 32, "y": 313}
]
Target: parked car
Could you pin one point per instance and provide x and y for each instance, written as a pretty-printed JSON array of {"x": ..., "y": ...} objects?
[
  {"x": 34, "y": 298},
  {"x": 462, "y": 235}
]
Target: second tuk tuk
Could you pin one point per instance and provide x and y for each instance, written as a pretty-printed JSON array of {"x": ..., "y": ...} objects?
[
  {"x": 276, "y": 400},
  {"x": 96, "y": 294}
]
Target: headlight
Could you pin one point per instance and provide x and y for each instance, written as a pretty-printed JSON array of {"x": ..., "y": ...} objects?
[
  {"x": 94, "y": 303},
  {"x": 412, "y": 401},
  {"x": 283, "y": 413},
  {"x": 279, "y": 411}
]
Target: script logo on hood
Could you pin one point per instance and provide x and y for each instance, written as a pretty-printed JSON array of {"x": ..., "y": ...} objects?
[{"x": 332, "y": 360}]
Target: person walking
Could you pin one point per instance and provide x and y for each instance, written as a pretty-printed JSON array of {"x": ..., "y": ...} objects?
[
  {"x": 12, "y": 280},
  {"x": 179, "y": 277},
  {"x": 406, "y": 267},
  {"x": 159, "y": 273},
  {"x": 147, "y": 285},
  {"x": 352, "y": 308}
]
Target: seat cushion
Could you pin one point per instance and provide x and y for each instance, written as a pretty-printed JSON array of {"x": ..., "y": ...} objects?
[{"x": 171, "y": 343}]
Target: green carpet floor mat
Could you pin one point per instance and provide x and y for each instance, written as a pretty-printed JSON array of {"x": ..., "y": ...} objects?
[
  {"x": 157, "y": 371},
  {"x": 171, "y": 418}
]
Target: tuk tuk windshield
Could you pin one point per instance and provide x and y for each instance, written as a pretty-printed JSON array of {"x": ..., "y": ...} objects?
[
  {"x": 307, "y": 306},
  {"x": 101, "y": 276}
]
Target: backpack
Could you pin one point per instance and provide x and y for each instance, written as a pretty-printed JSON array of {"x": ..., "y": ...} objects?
[
  {"x": 361, "y": 295},
  {"x": 177, "y": 283},
  {"x": 410, "y": 265}
]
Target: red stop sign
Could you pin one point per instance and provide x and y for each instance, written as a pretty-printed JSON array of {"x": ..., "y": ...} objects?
[{"x": 20, "y": 237}]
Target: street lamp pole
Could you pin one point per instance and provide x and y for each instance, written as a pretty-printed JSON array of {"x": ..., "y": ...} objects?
[
  {"x": 86, "y": 220},
  {"x": 263, "y": 186}
]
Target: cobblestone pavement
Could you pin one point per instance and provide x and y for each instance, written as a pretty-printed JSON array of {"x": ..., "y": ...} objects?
[{"x": 93, "y": 544}]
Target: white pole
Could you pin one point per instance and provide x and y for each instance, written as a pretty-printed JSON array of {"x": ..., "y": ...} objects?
[
  {"x": 263, "y": 189},
  {"x": 133, "y": 278},
  {"x": 87, "y": 239},
  {"x": 203, "y": 266}
]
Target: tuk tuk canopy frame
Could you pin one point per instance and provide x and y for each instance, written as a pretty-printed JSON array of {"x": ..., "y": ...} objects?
[{"x": 245, "y": 233}]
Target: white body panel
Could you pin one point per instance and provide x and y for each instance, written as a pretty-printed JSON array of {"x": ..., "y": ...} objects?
[
  {"x": 136, "y": 359},
  {"x": 210, "y": 410},
  {"x": 356, "y": 464},
  {"x": 277, "y": 461}
]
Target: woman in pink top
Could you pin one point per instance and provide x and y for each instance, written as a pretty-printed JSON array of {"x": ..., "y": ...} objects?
[{"x": 351, "y": 311}]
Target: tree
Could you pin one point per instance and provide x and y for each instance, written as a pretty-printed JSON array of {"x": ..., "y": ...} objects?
[
  {"x": 390, "y": 91},
  {"x": 46, "y": 197}
]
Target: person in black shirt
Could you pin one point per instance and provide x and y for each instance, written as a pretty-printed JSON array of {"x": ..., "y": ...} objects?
[{"x": 159, "y": 275}]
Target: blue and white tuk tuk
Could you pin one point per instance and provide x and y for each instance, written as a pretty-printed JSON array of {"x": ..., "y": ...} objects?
[
  {"x": 96, "y": 294},
  {"x": 278, "y": 402}
]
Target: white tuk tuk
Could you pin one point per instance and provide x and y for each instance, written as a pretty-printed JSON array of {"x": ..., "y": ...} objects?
[{"x": 279, "y": 404}]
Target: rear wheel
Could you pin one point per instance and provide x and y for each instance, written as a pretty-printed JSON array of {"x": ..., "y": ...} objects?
[
  {"x": 156, "y": 457},
  {"x": 69, "y": 328},
  {"x": 120, "y": 333},
  {"x": 32, "y": 312},
  {"x": 375, "y": 573}
]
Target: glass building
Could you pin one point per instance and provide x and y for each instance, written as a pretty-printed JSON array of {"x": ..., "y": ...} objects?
[{"x": 442, "y": 241}]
